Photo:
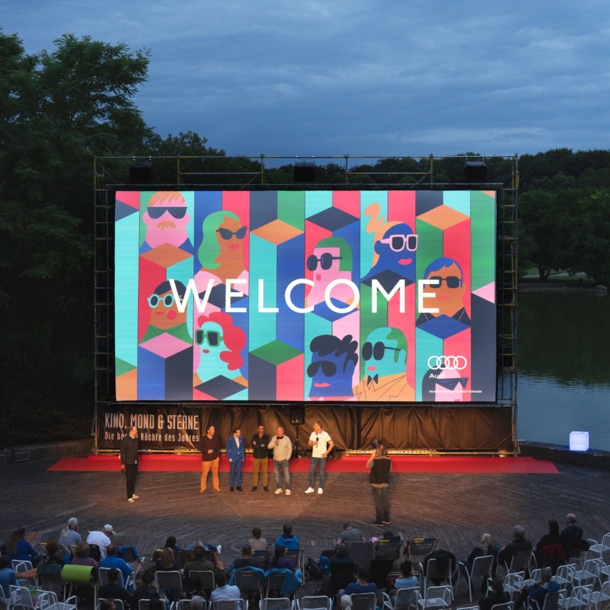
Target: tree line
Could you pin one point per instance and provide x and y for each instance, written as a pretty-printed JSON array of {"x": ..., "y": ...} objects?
[{"x": 61, "y": 107}]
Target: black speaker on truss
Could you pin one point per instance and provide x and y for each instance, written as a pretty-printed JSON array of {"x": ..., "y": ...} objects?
[
  {"x": 304, "y": 171},
  {"x": 297, "y": 416},
  {"x": 141, "y": 173},
  {"x": 475, "y": 171}
]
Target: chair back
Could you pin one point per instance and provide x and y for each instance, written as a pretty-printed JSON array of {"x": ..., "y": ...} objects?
[
  {"x": 439, "y": 596},
  {"x": 46, "y": 599},
  {"x": 315, "y": 602},
  {"x": 432, "y": 571},
  {"x": 482, "y": 566},
  {"x": 185, "y": 604},
  {"x": 379, "y": 571},
  {"x": 169, "y": 581},
  {"x": 247, "y": 580},
  {"x": 364, "y": 601},
  {"x": 103, "y": 572},
  {"x": 157, "y": 554},
  {"x": 20, "y": 597},
  {"x": 593, "y": 567},
  {"x": 406, "y": 598},
  {"x": 504, "y": 606},
  {"x": 551, "y": 601},
  {"x": 261, "y": 558},
  {"x": 49, "y": 577},
  {"x": 95, "y": 552},
  {"x": 341, "y": 575},
  {"x": 202, "y": 580},
  {"x": 186, "y": 556},
  {"x": 520, "y": 561},
  {"x": 143, "y": 604},
  {"x": 388, "y": 549},
  {"x": 117, "y": 602},
  {"x": 275, "y": 581},
  {"x": 294, "y": 555},
  {"x": 565, "y": 574},
  {"x": 276, "y": 603},
  {"x": 230, "y": 604},
  {"x": 362, "y": 552}
]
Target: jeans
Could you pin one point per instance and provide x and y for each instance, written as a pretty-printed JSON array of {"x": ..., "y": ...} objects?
[
  {"x": 280, "y": 468},
  {"x": 382, "y": 503},
  {"x": 235, "y": 473},
  {"x": 315, "y": 462}
]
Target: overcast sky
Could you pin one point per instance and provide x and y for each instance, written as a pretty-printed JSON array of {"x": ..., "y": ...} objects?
[{"x": 359, "y": 77}]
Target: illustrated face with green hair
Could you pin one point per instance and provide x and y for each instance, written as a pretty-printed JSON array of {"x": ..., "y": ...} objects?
[{"x": 385, "y": 352}]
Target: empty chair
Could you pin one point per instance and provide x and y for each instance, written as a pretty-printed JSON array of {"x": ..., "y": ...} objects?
[
  {"x": 276, "y": 603},
  {"x": 363, "y": 601},
  {"x": 406, "y": 599},
  {"x": 437, "y": 597},
  {"x": 600, "y": 547},
  {"x": 481, "y": 568},
  {"x": 565, "y": 575},
  {"x": 578, "y": 599},
  {"x": 590, "y": 573},
  {"x": 4, "y": 601},
  {"x": 20, "y": 598},
  {"x": 599, "y": 597},
  {"x": 314, "y": 602},
  {"x": 513, "y": 583}
]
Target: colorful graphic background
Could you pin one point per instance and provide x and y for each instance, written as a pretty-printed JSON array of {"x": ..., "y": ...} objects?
[{"x": 268, "y": 352}]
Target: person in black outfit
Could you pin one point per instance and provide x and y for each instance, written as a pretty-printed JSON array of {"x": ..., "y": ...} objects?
[
  {"x": 245, "y": 561},
  {"x": 260, "y": 455},
  {"x": 129, "y": 461},
  {"x": 147, "y": 590},
  {"x": 519, "y": 543},
  {"x": 112, "y": 590},
  {"x": 498, "y": 596},
  {"x": 571, "y": 535},
  {"x": 380, "y": 465}
]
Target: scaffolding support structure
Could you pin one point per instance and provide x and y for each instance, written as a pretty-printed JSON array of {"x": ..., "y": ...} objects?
[{"x": 186, "y": 175}]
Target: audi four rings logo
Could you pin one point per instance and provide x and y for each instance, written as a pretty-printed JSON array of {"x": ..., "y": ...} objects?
[{"x": 451, "y": 363}]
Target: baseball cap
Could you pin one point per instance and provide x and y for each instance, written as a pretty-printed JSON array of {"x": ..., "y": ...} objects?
[{"x": 108, "y": 528}]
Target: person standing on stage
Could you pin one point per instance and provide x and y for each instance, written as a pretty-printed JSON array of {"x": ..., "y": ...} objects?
[
  {"x": 282, "y": 452},
  {"x": 210, "y": 456},
  {"x": 260, "y": 453},
  {"x": 236, "y": 455},
  {"x": 129, "y": 461},
  {"x": 380, "y": 465},
  {"x": 321, "y": 445}
]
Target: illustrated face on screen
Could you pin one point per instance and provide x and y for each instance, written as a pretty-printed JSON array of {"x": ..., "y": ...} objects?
[
  {"x": 446, "y": 385},
  {"x": 449, "y": 287},
  {"x": 164, "y": 312},
  {"x": 166, "y": 220},
  {"x": 332, "y": 365},
  {"x": 385, "y": 353},
  {"x": 331, "y": 260},
  {"x": 396, "y": 251}
]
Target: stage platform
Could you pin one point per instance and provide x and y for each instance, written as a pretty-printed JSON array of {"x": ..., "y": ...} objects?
[
  {"x": 414, "y": 464},
  {"x": 456, "y": 508}
]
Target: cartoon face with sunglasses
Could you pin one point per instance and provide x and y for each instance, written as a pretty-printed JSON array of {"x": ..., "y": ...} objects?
[
  {"x": 448, "y": 287},
  {"x": 332, "y": 366},
  {"x": 164, "y": 314},
  {"x": 330, "y": 260},
  {"x": 166, "y": 219},
  {"x": 444, "y": 386}
]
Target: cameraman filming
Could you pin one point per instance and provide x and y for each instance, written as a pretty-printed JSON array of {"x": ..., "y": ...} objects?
[{"x": 380, "y": 465}]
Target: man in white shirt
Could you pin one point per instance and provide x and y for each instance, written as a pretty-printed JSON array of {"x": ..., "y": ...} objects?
[
  {"x": 101, "y": 538},
  {"x": 321, "y": 445}
]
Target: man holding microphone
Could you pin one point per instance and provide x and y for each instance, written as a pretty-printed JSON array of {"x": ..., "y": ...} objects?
[
  {"x": 322, "y": 445},
  {"x": 282, "y": 452},
  {"x": 380, "y": 465}
]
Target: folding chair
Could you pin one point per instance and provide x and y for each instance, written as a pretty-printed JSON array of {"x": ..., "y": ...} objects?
[
  {"x": 579, "y": 599},
  {"x": 143, "y": 604},
  {"x": 379, "y": 571},
  {"x": 406, "y": 599},
  {"x": 202, "y": 580},
  {"x": 432, "y": 571},
  {"x": 598, "y": 597},
  {"x": 186, "y": 555},
  {"x": 261, "y": 558},
  {"x": 388, "y": 549},
  {"x": 363, "y": 601},
  {"x": 275, "y": 582},
  {"x": 49, "y": 578},
  {"x": 4, "y": 601},
  {"x": 341, "y": 575},
  {"x": 600, "y": 547},
  {"x": 314, "y": 602},
  {"x": 565, "y": 575},
  {"x": 591, "y": 573},
  {"x": 79, "y": 576},
  {"x": 169, "y": 581},
  {"x": 504, "y": 606},
  {"x": 21, "y": 598},
  {"x": 437, "y": 597},
  {"x": 276, "y": 603},
  {"x": 551, "y": 602},
  {"x": 296, "y": 557},
  {"x": 513, "y": 583},
  {"x": 362, "y": 552},
  {"x": 230, "y": 604},
  {"x": 534, "y": 577},
  {"x": 248, "y": 582},
  {"x": 481, "y": 567},
  {"x": 519, "y": 563},
  {"x": 26, "y": 570}
]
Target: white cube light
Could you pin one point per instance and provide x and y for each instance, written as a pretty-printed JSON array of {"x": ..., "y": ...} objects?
[{"x": 579, "y": 441}]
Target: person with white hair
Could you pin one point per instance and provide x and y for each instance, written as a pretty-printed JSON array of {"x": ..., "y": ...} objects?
[
  {"x": 196, "y": 602},
  {"x": 69, "y": 535}
]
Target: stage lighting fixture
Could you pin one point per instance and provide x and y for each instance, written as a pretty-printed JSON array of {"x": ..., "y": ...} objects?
[
  {"x": 141, "y": 173},
  {"x": 475, "y": 171},
  {"x": 297, "y": 416},
  {"x": 304, "y": 171}
]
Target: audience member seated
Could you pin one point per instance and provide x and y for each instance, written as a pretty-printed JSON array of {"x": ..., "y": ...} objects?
[
  {"x": 362, "y": 586},
  {"x": 223, "y": 591},
  {"x": 548, "y": 540},
  {"x": 245, "y": 561},
  {"x": 538, "y": 590},
  {"x": 101, "y": 538},
  {"x": 7, "y": 576},
  {"x": 197, "y": 603},
  {"x": 107, "y": 604},
  {"x": 81, "y": 557},
  {"x": 112, "y": 561},
  {"x": 257, "y": 542},
  {"x": 112, "y": 590},
  {"x": 54, "y": 556},
  {"x": 167, "y": 563},
  {"x": 497, "y": 595},
  {"x": 350, "y": 534},
  {"x": 69, "y": 535},
  {"x": 199, "y": 564},
  {"x": 287, "y": 539},
  {"x": 279, "y": 562},
  {"x": 519, "y": 543},
  {"x": 571, "y": 535},
  {"x": 346, "y": 602},
  {"x": 407, "y": 579},
  {"x": 146, "y": 590},
  {"x": 484, "y": 548},
  {"x": 170, "y": 543},
  {"x": 342, "y": 555},
  {"x": 19, "y": 548}
]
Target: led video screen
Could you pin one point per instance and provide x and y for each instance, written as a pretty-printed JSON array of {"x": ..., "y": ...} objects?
[{"x": 370, "y": 296}]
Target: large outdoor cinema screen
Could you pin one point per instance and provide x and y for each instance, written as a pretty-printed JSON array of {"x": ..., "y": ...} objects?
[{"x": 371, "y": 296}]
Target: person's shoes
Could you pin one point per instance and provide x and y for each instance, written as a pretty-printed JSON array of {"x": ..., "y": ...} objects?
[
  {"x": 218, "y": 549},
  {"x": 377, "y": 523},
  {"x": 230, "y": 489},
  {"x": 218, "y": 490},
  {"x": 201, "y": 491},
  {"x": 134, "y": 497},
  {"x": 253, "y": 488},
  {"x": 309, "y": 490},
  {"x": 278, "y": 491},
  {"x": 265, "y": 488},
  {"x": 239, "y": 488},
  {"x": 386, "y": 522},
  {"x": 320, "y": 491},
  {"x": 130, "y": 500},
  {"x": 287, "y": 492}
]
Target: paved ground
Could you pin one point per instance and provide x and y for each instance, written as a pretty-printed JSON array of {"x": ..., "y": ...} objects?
[{"x": 455, "y": 508}]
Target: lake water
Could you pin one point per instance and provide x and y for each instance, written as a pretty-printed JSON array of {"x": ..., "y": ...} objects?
[{"x": 564, "y": 367}]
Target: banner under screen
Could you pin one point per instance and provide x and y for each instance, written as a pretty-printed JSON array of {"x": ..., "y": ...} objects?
[{"x": 372, "y": 296}]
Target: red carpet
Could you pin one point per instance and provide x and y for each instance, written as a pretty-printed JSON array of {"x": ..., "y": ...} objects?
[{"x": 421, "y": 464}]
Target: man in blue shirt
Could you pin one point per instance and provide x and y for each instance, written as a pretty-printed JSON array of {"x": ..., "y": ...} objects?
[
  {"x": 363, "y": 585},
  {"x": 112, "y": 561},
  {"x": 287, "y": 540}
]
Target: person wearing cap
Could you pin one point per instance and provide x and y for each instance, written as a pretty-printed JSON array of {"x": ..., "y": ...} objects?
[
  {"x": 101, "y": 538},
  {"x": 129, "y": 461}
]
